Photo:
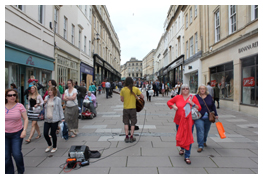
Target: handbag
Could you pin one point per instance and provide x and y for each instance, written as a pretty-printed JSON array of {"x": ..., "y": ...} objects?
[
  {"x": 221, "y": 130},
  {"x": 196, "y": 114},
  {"x": 211, "y": 114}
]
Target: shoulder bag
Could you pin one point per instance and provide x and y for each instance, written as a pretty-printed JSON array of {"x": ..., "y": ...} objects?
[
  {"x": 195, "y": 113},
  {"x": 211, "y": 114}
]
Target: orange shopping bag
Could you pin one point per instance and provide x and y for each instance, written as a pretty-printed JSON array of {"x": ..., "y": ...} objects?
[{"x": 221, "y": 130}]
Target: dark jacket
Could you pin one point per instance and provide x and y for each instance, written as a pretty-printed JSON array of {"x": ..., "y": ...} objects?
[
  {"x": 81, "y": 92},
  {"x": 209, "y": 102},
  {"x": 216, "y": 92}
]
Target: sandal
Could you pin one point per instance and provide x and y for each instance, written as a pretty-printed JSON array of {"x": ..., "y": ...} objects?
[
  {"x": 181, "y": 152},
  {"x": 72, "y": 136},
  {"x": 28, "y": 141},
  {"x": 38, "y": 136},
  {"x": 187, "y": 161}
]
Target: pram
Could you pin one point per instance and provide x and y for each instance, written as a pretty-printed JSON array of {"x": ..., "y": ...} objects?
[{"x": 87, "y": 114}]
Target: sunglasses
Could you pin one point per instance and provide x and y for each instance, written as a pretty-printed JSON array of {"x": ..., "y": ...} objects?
[
  {"x": 10, "y": 95},
  {"x": 185, "y": 88}
]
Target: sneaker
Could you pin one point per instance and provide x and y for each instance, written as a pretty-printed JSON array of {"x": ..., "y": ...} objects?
[
  {"x": 133, "y": 139},
  {"x": 127, "y": 140},
  {"x": 48, "y": 149},
  {"x": 54, "y": 150},
  {"x": 199, "y": 150}
]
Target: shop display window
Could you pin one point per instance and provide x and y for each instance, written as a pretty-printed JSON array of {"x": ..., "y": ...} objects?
[
  {"x": 223, "y": 75},
  {"x": 250, "y": 80}
]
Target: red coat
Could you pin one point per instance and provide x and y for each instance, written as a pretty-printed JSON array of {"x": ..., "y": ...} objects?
[{"x": 184, "y": 136}]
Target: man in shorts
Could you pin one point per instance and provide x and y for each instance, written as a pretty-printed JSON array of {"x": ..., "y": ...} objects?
[{"x": 129, "y": 107}]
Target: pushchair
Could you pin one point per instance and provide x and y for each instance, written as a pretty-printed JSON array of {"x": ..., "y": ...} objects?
[{"x": 87, "y": 114}]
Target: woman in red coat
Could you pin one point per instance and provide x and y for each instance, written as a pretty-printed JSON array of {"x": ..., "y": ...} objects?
[{"x": 183, "y": 104}]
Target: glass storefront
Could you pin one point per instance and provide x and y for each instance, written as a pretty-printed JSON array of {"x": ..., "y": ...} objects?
[
  {"x": 171, "y": 78},
  {"x": 193, "y": 82},
  {"x": 223, "y": 75},
  {"x": 178, "y": 74},
  {"x": 250, "y": 80}
]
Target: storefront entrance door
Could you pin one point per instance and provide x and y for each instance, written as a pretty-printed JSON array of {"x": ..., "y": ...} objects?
[{"x": 88, "y": 80}]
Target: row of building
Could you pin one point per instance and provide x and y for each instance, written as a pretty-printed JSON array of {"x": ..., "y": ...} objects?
[
  {"x": 209, "y": 43},
  {"x": 58, "y": 42}
]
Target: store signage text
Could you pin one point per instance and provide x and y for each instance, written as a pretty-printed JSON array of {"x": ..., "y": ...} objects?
[
  {"x": 248, "y": 47},
  {"x": 213, "y": 83},
  {"x": 30, "y": 61},
  {"x": 87, "y": 70},
  {"x": 250, "y": 81}
]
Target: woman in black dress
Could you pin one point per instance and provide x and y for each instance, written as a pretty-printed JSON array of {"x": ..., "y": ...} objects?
[{"x": 35, "y": 103}]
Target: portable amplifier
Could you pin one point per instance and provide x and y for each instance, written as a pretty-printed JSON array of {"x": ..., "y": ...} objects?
[{"x": 80, "y": 152}]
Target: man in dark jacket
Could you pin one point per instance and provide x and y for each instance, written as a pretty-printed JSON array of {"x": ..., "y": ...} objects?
[{"x": 81, "y": 95}]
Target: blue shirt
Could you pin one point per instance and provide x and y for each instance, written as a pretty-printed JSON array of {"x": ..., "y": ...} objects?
[{"x": 209, "y": 102}]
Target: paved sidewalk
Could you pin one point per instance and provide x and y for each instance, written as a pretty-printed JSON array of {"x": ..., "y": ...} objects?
[{"x": 156, "y": 152}]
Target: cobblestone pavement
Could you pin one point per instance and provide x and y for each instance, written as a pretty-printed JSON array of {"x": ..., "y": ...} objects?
[{"x": 156, "y": 151}]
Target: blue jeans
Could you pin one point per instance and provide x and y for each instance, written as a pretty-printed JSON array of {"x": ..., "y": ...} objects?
[
  {"x": 13, "y": 147},
  {"x": 202, "y": 128},
  {"x": 187, "y": 152},
  {"x": 107, "y": 92},
  {"x": 80, "y": 101}
]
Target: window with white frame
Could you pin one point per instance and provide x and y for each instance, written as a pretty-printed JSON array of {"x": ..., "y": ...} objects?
[
  {"x": 79, "y": 39},
  {"x": 186, "y": 49},
  {"x": 196, "y": 42},
  {"x": 56, "y": 20},
  {"x": 85, "y": 42},
  {"x": 72, "y": 34},
  {"x": 254, "y": 12},
  {"x": 217, "y": 26},
  {"x": 232, "y": 19},
  {"x": 176, "y": 51},
  {"x": 186, "y": 20},
  {"x": 195, "y": 10},
  {"x": 191, "y": 16},
  {"x": 65, "y": 28},
  {"x": 191, "y": 46},
  {"x": 41, "y": 14}
]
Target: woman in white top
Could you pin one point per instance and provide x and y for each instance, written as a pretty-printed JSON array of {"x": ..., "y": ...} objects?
[
  {"x": 35, "y": 101},
  {"x": 173, "y": 92},
  {"x": 71, "y": 110},
  {"x": 149, "y": 91}
]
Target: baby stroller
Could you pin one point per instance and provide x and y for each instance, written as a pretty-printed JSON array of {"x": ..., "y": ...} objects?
[{"x": 87, "y": 114}]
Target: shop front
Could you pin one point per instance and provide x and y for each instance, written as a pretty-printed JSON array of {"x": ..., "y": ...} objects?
[
  {"x": 21, "y": 63},
  {"x": 192, "y": 68},
  {"x": 103, "y": 70},
  {"x": 235, "y": 70},
  {"x": 86, "y": 74}
]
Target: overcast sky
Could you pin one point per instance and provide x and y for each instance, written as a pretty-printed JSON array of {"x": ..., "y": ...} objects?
[{"x": 139, "y": 27}]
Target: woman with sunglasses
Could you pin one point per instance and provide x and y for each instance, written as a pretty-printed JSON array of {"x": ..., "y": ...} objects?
[
  {"x": 203, "y": 124},
  {"x": 71, "y": 110},
  {"x": 182, "y": 104},
  {"x": 34, "y": 101},
  {"x": 14, "y": 132}
]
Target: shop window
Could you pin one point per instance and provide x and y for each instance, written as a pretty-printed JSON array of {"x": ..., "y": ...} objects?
[
  {"x": 250, "y": 81},
  {"x": 223, "y": 75}
]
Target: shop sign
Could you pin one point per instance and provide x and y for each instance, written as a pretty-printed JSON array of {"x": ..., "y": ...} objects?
[
  {"x": 250, "y": 81},
  {"x": 108, "y": 67},
  {"x": 213, "y": 83},
  {"x": 30, "y": 61},
  {"x": 248, "y": 47},
  {"x": 99, "y": 61}
]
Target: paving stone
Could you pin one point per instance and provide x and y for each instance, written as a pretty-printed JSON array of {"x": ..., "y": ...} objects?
[
  {"x": 147, "y": 144},
  {"x": 106, "y": 113},
  {"x": 108, "y": 130},
  {"x": 236, "y": 120},
  {"x": 218, "y": 139},
  {"x": 111, "y": 138},
  {"x": 150, "y": 161},
  {"x": 132, "y": 151},
  {"x": 255, "y": 170},
  {"x": 255, "y": 159},
  {"x": 239, "y": 145},
  {"x": 176, "y": 170},
  {"x": 94, "y": 127},
  {"x": 53, "y": 162},
  {"x": 133, "y": 170},
  {"x": 109, "y": 162},
  {"x": 241, "y": 140},
  {"x": 235, "y": 153},
  {"x": 196, "y": 162},
  {"x": 157, "y": 144},
  {"x": 112, "y": 116},
  {"x": 42, "y": 170},
  {"x": 228, "y": 171},
  {"x": 248, "y": 125},
  {"x": 88, "y": 170},
  {"x": 235, "y": 162},
  {"x": 33, "y": 161}
]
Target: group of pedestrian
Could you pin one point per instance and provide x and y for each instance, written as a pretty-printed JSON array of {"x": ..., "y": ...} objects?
[
  {"x": 15, "y": 131},
  {"x": 183, "y": 104}
]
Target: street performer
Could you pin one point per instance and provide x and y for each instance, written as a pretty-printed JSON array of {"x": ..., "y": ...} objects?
[
  {"x": 129, "y": 107},
  {"x": 183, "y": 104}
]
